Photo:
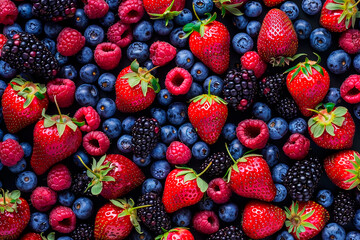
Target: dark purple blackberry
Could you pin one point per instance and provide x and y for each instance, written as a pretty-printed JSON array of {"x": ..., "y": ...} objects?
[
  {"x": 240, "y": 88},
  {"x": 271, "y": 87},
  {"x": 155, "y": 217},
  {"x": 287, "y": 108},
  {"x": 145, "y": 133},
  {"x": 220, "y": 164},
  {"x": 54, "y": 10},
  {"x": 84, "y": 231},
  {"x": 228, "y": 233},
  {"x": 302, "y": 179},
  {"x": 27, "y": 54},
  {"x": 80, "y": 183},
  {"x": 344, "y": 208}
]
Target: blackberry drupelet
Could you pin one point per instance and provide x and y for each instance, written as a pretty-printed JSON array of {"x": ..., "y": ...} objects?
[
  {"x": 240, "y": 88},
  {"x": 220, "y": 164},
  {"x": 287, "y": 108},
  {"x": 155, "y": 218},
  {"x": 79, "y": 184},
  {"x": 344, "y": 208},
  {"x": 145, "y": 133},
  {"x": 27, "y": 54},
  {"x": 302, "y": 179},
  {"x": 83, "y": 231},
  {"x": 228, "y": 233},
  {"x": 54, "y": 10},
  {"x": 271, "y": 87}
]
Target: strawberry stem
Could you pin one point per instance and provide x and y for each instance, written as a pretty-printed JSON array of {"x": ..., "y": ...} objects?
[
  {"x": 198, "y": 175},
  {"x": 151, "y": 70},
  {"x": 355, "y": 4},
  {"x": 138, "y": 207},
  {"x": 312, "y": 110},
  {"x": 209, "y": 89},
  {"x": 227, "y": 149},
  {"x": 193, "y": 5},
  {"x": 97, "y": 175},
  {"x": 57, "y": 106}
]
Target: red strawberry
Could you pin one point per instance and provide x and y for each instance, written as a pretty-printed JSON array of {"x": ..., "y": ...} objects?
[
  {"x": 23, "y": 102},
  {"x": 176, "y": 233},
  {"x": 231, "y": 6},
  {"x": 210, "y": 42},
  {"x": 343, "y": 169},
  {"x": 339, "y": 15},
  {"x": 261, "y": 219},
  {"x": 167, "y": 9},
  {"x": 135, "y": 88},
  {"x": 36, "y": 236},
  {"x": 308, "y": 83},
  {"x": 14, "y": 215},
  {"x": 306, "y": 219},
  {"x": 332, "y": 128},
  {"x": 272, "y": 3}
]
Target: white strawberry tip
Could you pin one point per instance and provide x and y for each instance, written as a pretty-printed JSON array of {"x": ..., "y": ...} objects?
[
  {"x": 28, "y": 90},
  {"x": 9, "y": 201},
  {"x": 167, "y": 15}
]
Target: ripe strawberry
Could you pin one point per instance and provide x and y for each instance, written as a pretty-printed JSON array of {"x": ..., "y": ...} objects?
[
  {"x": 176, "y": 233},
  {"x": 261, "y": 219},
  {"x": 337, "y": 16},
  {"x": 163, "y": 9},
  {"x": 272, "y": 3},
  {"x": 22, "y": 103},
  {"x": 210, "y": 42},
  {"x": 332, "y": 128},
  {"x": 36, "y": 236},
  {"x": 135, "y": 88},
  {"x": 14, "y": 214},
  {"x": 231, "y": 6},
  {"x": 343, "y": 169},
  {"x": 308, "y": 83},
  {"x": 305, "y": 219}
]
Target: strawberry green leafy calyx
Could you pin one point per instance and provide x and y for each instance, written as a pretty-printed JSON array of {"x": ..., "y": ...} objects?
[
  {"x": 208, "y": 98},
  {"x": 355, "y": 173},
  {"x": 199, "y": 26},
  {"x": 296, "y": 222},
  {"x": 167, "y": 15},
  {"x": 189, "y": 174},
  {"x": 166, "y": 233},
  {"x": 28, "y": 90},
  {"x": 50, "y": 236},
  {"x": 281, "y": 61},
  {"x": 231, "y": 8},
  {"x": 306, "y": 67},
  {"x": 349, "y": 10},
  {"x": 9, "y": 201}
]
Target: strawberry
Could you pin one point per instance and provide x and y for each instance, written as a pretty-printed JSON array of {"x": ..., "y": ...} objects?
[
  {"x": 305, "y": 219},
  {"x": 343, "y": 169},
  {"x": 231, "y": 6},
  {"x": 308, "y": 83},
  {"x": 22, "y": 103},
  {"x": 332, "y": 127},
  {"x": 36, "y": 236},
  {"x": 14, "y": 215},
  {"x": 210, "y": 42},
  {"x": 208, "y": 114},
  {"x": 113, "y": 176},
  {"x": 135, "y": 88},
  {"x": 261, "y": 219},
  {"x": 272, "y": 3},
  {"x": 176, "y": 233},
  {"x": 339, "y": 15},
  {"x": 164, "y": 9}
]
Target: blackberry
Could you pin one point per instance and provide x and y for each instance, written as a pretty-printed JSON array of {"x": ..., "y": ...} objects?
[
  {"x": 240, "y": 88},
  {"x": 344, "y": 208},
  {"x": 287, "y": 108},
  {"x": 145, "y": 133},
  {"x": 271, "y": 87},
  {"x": 54, "y": 10},
  {"x": 220, "y": 164},
  {"x": 155, "y": 217},
  {"x": 228, "y": 233},
  {"x": 302, "y": 179},
  {"x": 27, "y": 54},
  {"x": 83, "y": 231},
  {"x": 79, "y": 184}
]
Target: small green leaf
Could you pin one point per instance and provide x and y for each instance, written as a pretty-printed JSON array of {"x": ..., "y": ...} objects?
[
  {"x": 329, "y": 106},
  {"x": 301, "y": 228},
  {"x": 189, "y": 177},
  {"x": 134, "y": 66},
  {"x": 295, "y": 74},
  {"x": 97, "y": 188},
  {"x": 144, "y": 87},
  {"x": 108, "y": 179},
  {"x": 340, "y": 111},
  {"x": 117, "y": 203},
  {"x": 236, "y": 168},
  {"x": 303, "y": 70},
  {"x": 334, "y": 6},
  {"x": 202, "y": 30},
  {"x": 311, "y": 122},
  {"x": 51, "y": 236},
  {"x": 318, "y": 68},
  {"x": 15, "y": 194},
  {"x": 48, "y": 123},
  {"x": 308, "y": 68},
  {"x": 134, "y": 81},
  {"x": 90, "y": 174},
  {"x": 155, "y": 85},
  {"x": 202, "y": 184},
  {"x": 319, "y": 131},
  {"x": 188, "y": 27},
  {"x": 61, "y": 128},
  {"x": 309, "y": 225},
  {"x": 330, "y": 129},
  {"x": 72, "y": 126},
  {"x": 338, "y": 121}
]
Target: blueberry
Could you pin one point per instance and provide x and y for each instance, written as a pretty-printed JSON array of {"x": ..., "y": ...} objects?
[
  {"x": 150, "y": 65},
  {"x": 199, "y": 71},
  {"x": 108, "y": 19},
  {"x": 39, "y": 222},
  {"x": 128, "y": 123},
  {"x": 50, "y": 45},
  {"x": 357, "y": 63},
  {"x": 229, "y": 131},
  {"x": 164, "y": 97},
  {"x": 253, "y": 28},
  {"x": 61, "y": 59},
  {"x": 141, "y": 162},
  {"x": 320, "y": 39},
  {"x": 83, "y": 208},
  {"x": 26, "y": 181},
  {"x": 261, "y": 111},
  {"x": 271, "y": 154},
  {"x": 10, "y": 30},
  {"x": 151, "y": 185},
  {"x": 65, "y": 238},
  {"x": 143, "y": 31},
  {"x": 1, "y": 135},
  {"x": 94, "y": 35},
  {"x": 291, "y": 9},
  {"x": 303, "y": 29},
  {"x": 200, "y": 150},
  {"x": 240, "y": 22},
  {"x": 83, "y": 157},
  {"x": 159, "y": 114},
  {"x": 25, "y": 11},
  {"x": 184, "y": 17},
  {"x": 187, "y": 134},
  {"x": 325, "y": 198},
  {"x": 357, "y": 110},
  {"x": 177, "y": 113},
  {"x": 203, "y": 6},
  {"x": 52, "y": 29},
  {"x": 106, "y": 107},
  {"x": 216, "y": 85},
  {"x": 278, "y": 172},
  {"x": 159, "y": 152},
  {"x": 10, "y": 136},
  {"x": 281, "y": 193},
  {"x": 85, "y": 55},
  {"x": 145, "y": 235},
  {"x": 69, "y": 71},
  {"x": 168, "y": 134},
  {"x": 206, "y": 204},
  {"x": 176, "y": 38},
  {"x": 160, "y": 169},
  {"x": 87, "y": 95},
  {"x": 356, "y": 220},
  {"x": 6, "y": 71},
  {"x": 182, "y": 217},
  {"x": 184, "y": 59},
  {"x": 311, "y": 7},
  {"x": 236, "y": 149},
  {"x": 278, "y": 127},
  {"x": 333, "y": 95},
  {"x": 106, "y": 82},
  {"x": 228, "y": 212},
  {"x": 338, "y": 62},
  {"x": 89, "y": 73},
  {"x": 284, "y": 235},
  {"x": 34, "y": 26},
  {"x": 298, "y": 125},
  {"x": 195, "y": 90},
  {"x": 19, "y": 166},
  {"x": 112, "y": 127},
  {"x": 333, "y": 231},
  {"x": 3, "y": 86},
  {"x": 66, "y": 198},
  {"x": 353, "y": 235},
  {"x": 253, "y": 9},
  {"x": 124, "y": 144},
  {"x": 139, "y": 51},
  {"x": 161, "y": 28},
  {"x": 80, "y": 20},
  {"x": 113, "y": 4},
  {"x": 1, "y": 166}
]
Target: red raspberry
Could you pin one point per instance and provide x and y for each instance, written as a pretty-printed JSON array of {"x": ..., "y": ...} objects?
[
  {"x": 178, "y": 81},
  {"x": 107, "y": 55},
  {"x": 350, "y": 89},
  {"x": 62, "y": 219},
  {"x": 252, "y": 61},
  {"x": 206, "y": 222},
  {"x": 91, "y": 118},
  {"x": 120, "y": 34},
  {"x": 63, "y": 89},
  {"x": 8, "y": 12},
  {"x": 96, "y": 143},
  {"x": 96, "y": 9},
  {"x": 3, "y": 40},
  {"x": 297, "y": 147},
  {"x": 43, "y": 198},
  {"x": 70, "y": 42},
  {"x": 178, "y": 153},
  {"x": 59, "y": 178},
  {"x": 219, "y": 191},
  {"x": 253, "y": 133},
  {"x": 32, "y": 236},
  {"x": 11, "y": 152},
  {"x": 131, "y": 11},
  {"x": 350, "y": 41},
  {"x": 161, "y": 53}
]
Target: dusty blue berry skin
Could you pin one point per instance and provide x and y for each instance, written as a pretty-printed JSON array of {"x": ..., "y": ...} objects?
[
  {"x": 356, "y": 63},
  {"x": 229, "y": 131},
  {"x": 83, "y": 208},
  {"x": 65, "y": 238},
  {"x": 338, "y": 62},
  {"x": 160, "y": 169},
  {"x": 333, "y": 95},
  {"x": 175, "y": 38},
  {"x": 145, "y": 235},
  {"x": 302, "y": 28},
  {"x": 106, "y": 82},
  {"x": 164, "y": 97},
  {"x": 19, "y": 166},
  {"x": 112, "y": 127},
  {"x": 139, "y": 51},
  {"x": 278, "y": 127},
  {"x": 271, "y": 154},
  {"x": 353, "y": 235},
  {"x": 200, "y": 150},
  {"x": 311, "y": 7},
  {"x": 195, "y": 90},
  {"x": 27, "y": 148},
  {"x": 253, "y": 28},
  {"x": 285, "y": 235},
  {"x": 240, "y": 22},
  {"x": 281, "y": 193},
  {"x": 356, "y": 220},
  {"x": 11, "y": 136},
  {"x": 184, "y": 59},
  {"x": 50, "y": 45},
  {"x": 242, "y": 43},
  {"x": 187, "y": 134},
  {"x": 84, "y": 157},
  {"x": 143, "y": 31},
  {"x": 142, "y": 162},
  {"x": 177, "y": 113},
  {"x": 87, "y": 95},
  {"x": 108, "y": 19},
  {"x": 106, "y": 107},
  {"x": 39, "y": 222},
  {"x": 68, "y": 71},
  {"x": 228, "y": 212},
  {"x": 25, "y": 11},
  {"x": 34, "y": 26},
  {"x": 184, "y": 17},
  {"x": 159, "y": 152},
  {"x": 203, "y": 6},
  {"x": 6, "y": 71},
  {"x": 261, "y": 111},
  {"x": 216, "y": 85},
  {"x": 182, "y": 217},
  {"x": 199, "y": 72},
  {"x": 124, "y": 144},
  {"x": 357, "y": 110},
  {"x": 159, "y": 114},
  {"x": 151, "y": 185},
  {"x": 325, "y": 198},
  {"x": 278, "y": 172},
  {"x": 236, "y": 149},
  {"x": 333, "y": 231},
  {"x": 161, "y": 28},
  {"x": 85, "y": 55},
  {"x": 89, "y": 73},
  {"x": 80, "y": 20},
  {"x": 94, "y": 35},
  {"x": 298, "y": 125},
  {"x": 26, "y": 181},
  {"x": 291, "y": 9},
  {"x": 206, "y": 204},
  {"x": 168, "y": 134},
  {"x": 128, "y": 123},
  {"x": 66, "y": 198},
  {"x": 253, "y": 9},
  {"x": 10, "y": 30},
  {"x": 320, "y": 39}
]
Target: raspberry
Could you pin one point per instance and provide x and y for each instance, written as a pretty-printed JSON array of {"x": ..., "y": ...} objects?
[
  {"x": 253, "y": 133},
  {"x": 63, "y": 89},
  {"x": 11, "y": 152},
  {"x": 252, "y": 61},
  {"x": 62, "y": 219},
  {"x": 178, "y": 81},
  {"x": 161, "y": 53},
  {"x": 59, "y": 178},
  {"x": 178, "y": 153},
  {"x": 120, "y": 34},
  {"x": 90, "y": 116},
  {"x": 96, "y": 9},
  {"x": 206, "y": 222},
  {"x": 96, "y": 143},
  {"x": 219, "y": 191},
  {"x": 43, "y": 198},
  {"x": 297, "y": 147},
  {"x": 70, "y": 42},
  {"x": 3, "y": 40},
  {"x": 8, "y": 12},
  {"x": 350, "y": 41},
  {"x": 32, "y": 236},
  {"x": 350, "y": 89},
  {"x": 131, "y": 11},
  {"x": 107, "y": 55}
]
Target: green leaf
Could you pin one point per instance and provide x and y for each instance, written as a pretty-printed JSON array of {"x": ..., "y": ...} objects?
[
  {"x": 202, "y": 184},
  {"x": 235, "y": 167},
  {"x": 108, "y": 179},
  {"x": 329, "y": 106},
  {"x": 188, "y": 27},
  {"x": 51, "y": 236},
  {"x": 155, "y": 85},
  {"x": 290, "y": 69},
  {"x": 101, "y": 161},
  {"x": 117, "y": 203},
  {"x": 183, "y": 173},
  {"x": 48, "y": 123},
  {"x": 61, "y": 128},
  {"x": 295, "y": 74},
  {"x": 318, "y": 130},
  {"x": 303, "y": 70},
  {"x": 15, "y": 194},
  {"x": 90, "y": 174},
  {"x": 134, "y": 81},
  {"x": 301, "y": 228},
  {"x": 144, "y": 87},
  {"x": 72, "y": 126},
  {"x": 357, "y": 159},
  {"x": 334, "y": 6},
  {"x": 306, "y": 216},
  {"x": 134, "y": 66},
  {"x": 311, "y": 122},
  {"x": 308, "y": 225},
  {"x": 202, "y": 30},
  {"x": 308, "y": 68},
  {"x": 330, "y": 129},
  {"x": 338, "y": 121},
  {"x": 28, "y": 101},
  {"x": 189, "y": 177},
  {"x": 97, "y": 188},
  {"x": 318, "y": 68},
  {"x": 234, "y": 10},
  {"x": 340, "y": 111}
]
